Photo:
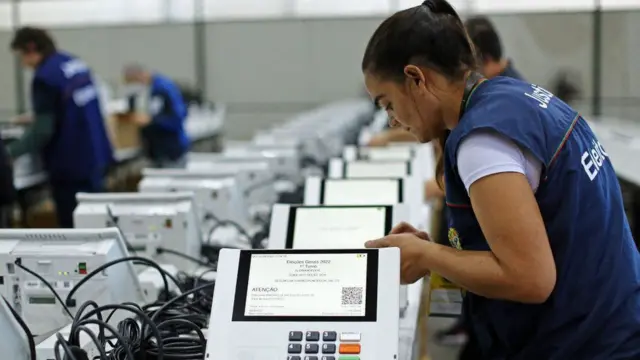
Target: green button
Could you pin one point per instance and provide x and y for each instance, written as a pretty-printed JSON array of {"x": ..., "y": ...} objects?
[{"x": 349, "y": 358}]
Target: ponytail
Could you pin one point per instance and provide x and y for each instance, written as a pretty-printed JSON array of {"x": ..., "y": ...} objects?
[
  {"x": 442, "y": 140},
  {"x": 443, "y": 7}
]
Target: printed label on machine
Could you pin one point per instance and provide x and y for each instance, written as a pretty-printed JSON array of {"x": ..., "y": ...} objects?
[
  {"x": 445, "y": 298},
  {"x": 307, "y": 285}
]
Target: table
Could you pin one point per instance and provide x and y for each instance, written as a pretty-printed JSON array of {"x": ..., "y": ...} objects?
[
  {"x": 203, "y": 126},
  {"x": 409, "y": 323}
]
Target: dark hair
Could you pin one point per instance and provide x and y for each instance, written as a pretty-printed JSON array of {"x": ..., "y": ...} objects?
[
  {"x": 566, "y": 86},
  {"x": 33, "y": 39},
  {"x": 430, "y": 35},
  {"x": 485, "y": 38}
]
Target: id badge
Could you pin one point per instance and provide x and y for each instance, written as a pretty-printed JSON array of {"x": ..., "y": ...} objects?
[{"x": 445, "y": 298}]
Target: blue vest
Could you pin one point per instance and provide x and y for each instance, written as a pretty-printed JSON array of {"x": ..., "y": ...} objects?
[
  {"x": 594, "y": 310},
  {"x": 165, "y": 137},
  {"x": 79, "y": 149}
]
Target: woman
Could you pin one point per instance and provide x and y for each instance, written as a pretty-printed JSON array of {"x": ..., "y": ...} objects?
[{"x": 541, "y": 243}]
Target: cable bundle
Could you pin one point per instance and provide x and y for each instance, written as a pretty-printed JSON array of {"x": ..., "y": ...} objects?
[{"x": 164, "y": 329}]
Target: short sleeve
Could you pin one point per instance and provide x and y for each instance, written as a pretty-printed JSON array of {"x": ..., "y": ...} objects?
[{"x": 484, "y": 153}]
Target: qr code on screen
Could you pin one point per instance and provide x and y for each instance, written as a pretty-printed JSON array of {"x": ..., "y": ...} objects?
[{"x": 351, "y": 296}]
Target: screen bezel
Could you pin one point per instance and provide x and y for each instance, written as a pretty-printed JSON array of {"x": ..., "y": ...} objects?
[
  {"x": 293, "y": 210},
  {"x": 400, "y": 185},
  {"x": 242, "y": 288},
  {"x": 345, "y": 165}
]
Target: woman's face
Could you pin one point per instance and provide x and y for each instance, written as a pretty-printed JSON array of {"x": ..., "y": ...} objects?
[{"x": 410, "y": 104}]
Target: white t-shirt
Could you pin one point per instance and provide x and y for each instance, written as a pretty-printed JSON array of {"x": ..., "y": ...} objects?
[{"x": 484, "y": 153}]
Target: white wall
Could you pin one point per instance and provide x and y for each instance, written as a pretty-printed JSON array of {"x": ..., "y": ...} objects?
[{"x": 269, "y": 69}]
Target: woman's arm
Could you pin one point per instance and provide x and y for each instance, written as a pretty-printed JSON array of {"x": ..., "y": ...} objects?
[
  {"x": 501, "y": 180},
  {"x": 39, "y": 132},
  {"x": 520, "y": 266},
  {"x": 391, "y": 135}
]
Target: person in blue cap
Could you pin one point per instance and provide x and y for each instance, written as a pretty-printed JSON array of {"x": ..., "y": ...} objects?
[
  {"x": 68, "y": 127},
  {"x": 163, "y": 133},
  {"x": 540, "y": 242}
]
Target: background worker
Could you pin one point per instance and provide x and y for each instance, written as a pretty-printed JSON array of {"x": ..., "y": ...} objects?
[
  {"x": 164, "y": 138},
  {"x": 7, "y": 190},
  {"x": 67, "y": 126}
]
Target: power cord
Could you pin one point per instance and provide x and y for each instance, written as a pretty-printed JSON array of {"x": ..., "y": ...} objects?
[
  {"x": 71, "y": 302},
  {"x": 163, "y": 329},
  {"x": 255, "y": 241},
  {"x": 27, "y": 331},
  {"x": 115, "y": 222},
  {"x": 18, "y": 263}
]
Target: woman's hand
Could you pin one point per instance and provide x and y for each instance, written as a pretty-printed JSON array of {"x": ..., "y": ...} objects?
[
  {"x": 379, "y": 140},
  {"x": 406, "y": 228},
  {"x": 412, "y": 253}
]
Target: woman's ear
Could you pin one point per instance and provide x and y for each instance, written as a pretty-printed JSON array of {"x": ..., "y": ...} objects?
[{"x": 414, "y": 74}]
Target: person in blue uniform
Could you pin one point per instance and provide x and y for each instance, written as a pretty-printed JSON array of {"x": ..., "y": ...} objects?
[
  {"x": 488, "y": 47},
  {"x": 68, "y": 127},
  {"x": 163, "y": 133},
  {"x": 540, "y": 242},
  {"x": 7, "y": 190}
]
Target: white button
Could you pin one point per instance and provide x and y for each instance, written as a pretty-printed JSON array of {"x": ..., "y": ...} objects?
[{"x": 350, "y": 336}]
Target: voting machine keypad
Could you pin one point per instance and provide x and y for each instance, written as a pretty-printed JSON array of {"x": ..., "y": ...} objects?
[{"x": 326, "y": 345}]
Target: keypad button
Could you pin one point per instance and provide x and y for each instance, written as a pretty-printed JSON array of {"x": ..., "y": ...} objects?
[
  {"x": 312, "y": 336},
  {"x": 310, "y": 358},
  {"x": 349, "y": 349},
  {"x": 295, "y": 335},
  {"x": 311, "y": 348},
  {"x": 293, "y": 357},
  {"x": 329, "y": 336},
  {"x": 350, "y": 337},
  {"x": 328, "y": 348},
  {"x": 295, "y": 349},
  {"x": 328, "y": 358}
]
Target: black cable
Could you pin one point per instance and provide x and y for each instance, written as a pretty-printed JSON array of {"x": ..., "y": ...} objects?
[
  {"x": 221, "y": 223},
  {"x": 146, "y": 322},
  {"x": 103, "y": 325},
  {"x": 68, "y": 353},
  {"x": 161, "y": 250},
  {"x": 218, "y": 223},
  {"x": 94, "y": 338},
  {"x": 18, "y": 263},
  {"x": 81, "y": 310},
  {"x": 27, "y": 331},
  {"x": 184, "y": 347},
  {"x": 115, "y": 222},
  {"x": 179, "y": 297},
  {"x": 165, "y": 272},
  {"x": 71, "y": 302}
]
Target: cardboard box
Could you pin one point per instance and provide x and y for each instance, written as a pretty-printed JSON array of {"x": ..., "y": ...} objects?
[
  {"x": 42, "y": 215},
  {"x": 123, "y": 132}
]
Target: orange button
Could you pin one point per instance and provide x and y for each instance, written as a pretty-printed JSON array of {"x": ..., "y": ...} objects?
[{"x": 349, "y": 348}]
